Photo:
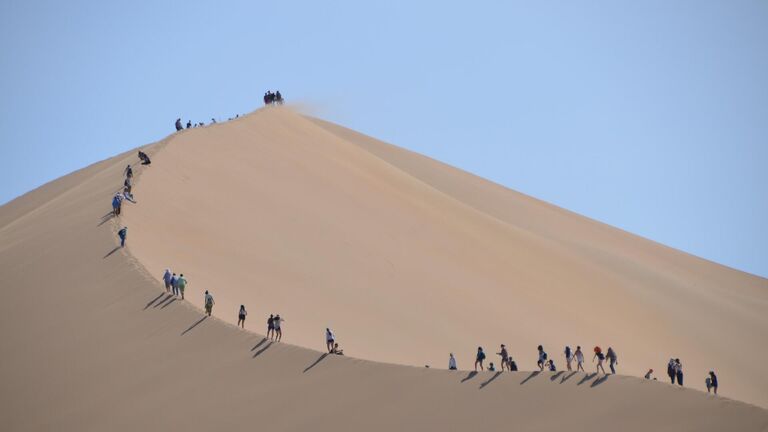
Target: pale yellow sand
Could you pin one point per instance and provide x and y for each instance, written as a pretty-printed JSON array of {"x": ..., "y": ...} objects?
[{"x": 405, "y": 258}]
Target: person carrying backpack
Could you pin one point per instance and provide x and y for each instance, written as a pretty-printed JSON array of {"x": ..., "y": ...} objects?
[
  {"x": 480, "y": 357},
  {"x": 600, "y": 358},
  {"x": 209, "y": 303},
  {"x": 542, "y": 358}
]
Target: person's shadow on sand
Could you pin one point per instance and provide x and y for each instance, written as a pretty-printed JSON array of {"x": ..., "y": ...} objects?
[
  {"x": 194, "y": 325},
  {"x": 323, "y": 356},
  {"x": 567, "y": 377},
  {"x": 600, "y": 380},
  {"x": 261, "y": 351},
  {"x": 587, "y": 377},
  {"x": 469, "y": 376},
  {"x": 496, "y": 375},
  {"x": 556, "y": 376},
  {"x": 151, "y": 302},
  {"x": 111, "y": 252},
  {"x": 533, "y": 374}
]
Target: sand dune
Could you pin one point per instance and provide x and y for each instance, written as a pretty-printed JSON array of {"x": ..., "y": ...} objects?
[{"x": 406, "y": 258}]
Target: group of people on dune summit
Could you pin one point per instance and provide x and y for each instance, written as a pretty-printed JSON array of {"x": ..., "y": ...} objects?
[
  {"x": 175, "y": 285},
  {"x": 180, "y": 125},
  {"x": 273, "y": 98}
]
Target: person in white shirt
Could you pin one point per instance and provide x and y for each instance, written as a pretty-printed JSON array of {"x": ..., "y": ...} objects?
[
  {"x": 330, "y": 338},
  {"x": 276, "y": 322},
  {"x": 579, "y": 359},
  {"x": 452, "y": 362},
  {"x": 209, "y": 303}
]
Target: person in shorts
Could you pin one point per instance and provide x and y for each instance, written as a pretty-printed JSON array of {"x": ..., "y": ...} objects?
[
  {"x": 330, "y": 338},
  {"x": 277, "y": 323},
  {"x": 241, "y": 316},
  {"x": 181, "y": 284},
  {"x": 270, "y": 326}
]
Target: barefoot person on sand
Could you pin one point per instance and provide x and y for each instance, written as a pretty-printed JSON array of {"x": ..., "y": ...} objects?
[
  {"x": 542, "y": 358},
  {"x": 277, "y": 323},
  {"x": 330, "y": 338},
  {"x": 241, "y": 316},
  {"x": 270, "y": 326},
  {"x": 181, "y": 284},
  {"x": 480, "y": 357},
  {"x": 209, "y": 303},
  {"x": 167, "y": 280},
  {"x": 600, "y": 358},
  {"x": 579, "y": 359},
  {"x": 504, "y": 357},
  {"x": 568, "y": 357}
]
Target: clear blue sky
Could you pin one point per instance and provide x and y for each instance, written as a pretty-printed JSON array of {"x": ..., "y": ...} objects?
[{"x": 648, "y": 115}]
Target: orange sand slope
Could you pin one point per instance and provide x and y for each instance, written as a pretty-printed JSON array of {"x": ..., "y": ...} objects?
[
  {"x": 90, "y": 342},
  {"x": 408, "y": 259}
]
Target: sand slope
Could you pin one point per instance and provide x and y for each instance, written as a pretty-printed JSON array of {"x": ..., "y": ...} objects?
[
  {"x": 408, "y": 259},
  {"x": 91, "y": 343}
]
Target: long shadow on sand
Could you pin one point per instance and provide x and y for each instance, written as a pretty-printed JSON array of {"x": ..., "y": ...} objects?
[
  {"x": 496, "y": 375},
  {"x": 599, "y": 381},
  {"x": 556, "y": 376},
  {"x": 106, "y": 218},
  {"x": 319, "y": 359},
  {"x": 151, "y": 302},
  {"x": 261, "y": 342},
  {"x": 162, "y": 302},
  {"x": 533, "y": 374},
  {"x": 111, "y": 252},
  {"x": 261, "y": 351},
  {"x": 469, "y": 376},
  {"x": 194, "y": 325},
  {"x": 169, "y": 303},
  {"x": 567, "y": 377},
  {"x": 586, "y": 378}
]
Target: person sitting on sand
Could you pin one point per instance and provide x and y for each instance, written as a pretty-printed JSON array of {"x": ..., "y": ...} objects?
[
  {"x": 278, "y": 323},
  {"x": 241, "y": 316},
  {"x": 491, "y": 367},
  {"x": 480, "y": 357},
  {"x": 144, "y": 158},
  {"x": 649, "y": 374},
  {"x": 330, "y": 338},
  {"x": 209, "y": 303},
  {"x": 123, "y": 234},
  {"x": 550, "y": 365},
  {"x": 542, "y": 358},
  {"x": 452, "y": 362},
  {"x": 600, "y": 358},
  {"x": 167, "y": 280},
  {"x": 512, "y": 365},
  {"x": 579, "y": 359},
  {"x": 189, "y": 124},
  {"x": 336, "y": 350},
  {"x": 128, "y": 184},
  {"x": 504, "y": 356}
]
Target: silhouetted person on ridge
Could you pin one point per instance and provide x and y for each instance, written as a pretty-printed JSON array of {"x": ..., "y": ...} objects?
[{"x": 178, "y": 125}]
